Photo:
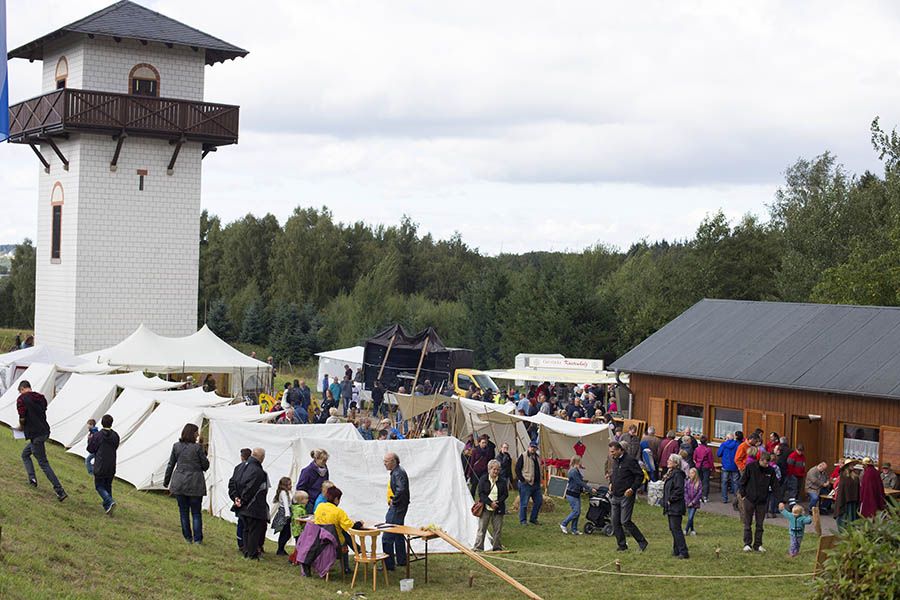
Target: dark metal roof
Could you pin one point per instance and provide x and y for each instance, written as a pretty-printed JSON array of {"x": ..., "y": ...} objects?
[
  {"x": 840, "y": 349},
  {"x": 128, "y": 20}
]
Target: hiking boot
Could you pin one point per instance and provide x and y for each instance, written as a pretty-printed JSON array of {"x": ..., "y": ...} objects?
[
  {"x": 110, "y": 508},
  {"x": 32, "y": 482},
  {"x": 61, "y": 495},
  {"x": 563, "y": 529},
  {"x": 748, "y": 549},
  {"x": 760, "y": 549}
]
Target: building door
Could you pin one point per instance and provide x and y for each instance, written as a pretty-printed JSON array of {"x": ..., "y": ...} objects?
[{"x": 807, "y": 432}]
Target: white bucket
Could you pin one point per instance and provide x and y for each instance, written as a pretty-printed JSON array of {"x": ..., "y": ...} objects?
[{"x": 406, "y": 585}]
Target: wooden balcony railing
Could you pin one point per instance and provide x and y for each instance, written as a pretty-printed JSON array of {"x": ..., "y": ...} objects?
[{"x": 69, "y": 110}]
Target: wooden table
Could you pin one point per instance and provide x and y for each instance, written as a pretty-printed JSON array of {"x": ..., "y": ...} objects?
[
  {"x": 409, "y": 534},
  {"x": 892, "y": 493}
]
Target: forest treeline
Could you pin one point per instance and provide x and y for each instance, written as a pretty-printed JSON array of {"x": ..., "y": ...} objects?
[{"x": 314, "y": 283}]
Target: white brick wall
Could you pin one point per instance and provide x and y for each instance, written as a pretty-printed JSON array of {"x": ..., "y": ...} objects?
[
  {"x": 127, "y": 256},
  {"x": 103, "y": 65}
]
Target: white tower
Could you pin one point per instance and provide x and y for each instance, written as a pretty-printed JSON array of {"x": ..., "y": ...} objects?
[{"x": 120, "y": 131}]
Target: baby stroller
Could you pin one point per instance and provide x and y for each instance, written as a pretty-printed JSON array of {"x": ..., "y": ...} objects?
[{"x": 599, "y": 509}]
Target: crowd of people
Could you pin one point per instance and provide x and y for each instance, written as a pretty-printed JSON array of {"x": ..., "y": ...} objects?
[{"x": 765, "y": 477}]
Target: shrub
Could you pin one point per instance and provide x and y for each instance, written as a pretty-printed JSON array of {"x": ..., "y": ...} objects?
[{"x": 864, "y": 562}]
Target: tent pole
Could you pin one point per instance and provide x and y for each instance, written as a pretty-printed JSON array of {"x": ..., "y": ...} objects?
[
  {"x": 546, "y": 481},
  {"x": 386, "y": 354},
  {"x": 419, "y": 368}
]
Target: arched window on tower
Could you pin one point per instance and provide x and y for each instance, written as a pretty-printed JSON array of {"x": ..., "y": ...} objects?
[
  {"x": 56, "y": 206},
  {"x": 143, "y": 81},
  {"x": 62, "y": 73}
]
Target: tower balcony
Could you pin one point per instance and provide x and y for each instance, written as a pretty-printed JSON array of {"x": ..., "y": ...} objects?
[{"x": 66, "y": 111}]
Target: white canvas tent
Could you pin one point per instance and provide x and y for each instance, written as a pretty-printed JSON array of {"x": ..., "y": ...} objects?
[
  {"x": 138, "y": 380},
  {"x": 41, "y": 376},
  {"x": 200, "y": 352},
  {"x": 472, "y": 417},
  {"x": 190, "y": 398},
  {"x": 226, "y": 438},
  {"x": 436, "y": 481},
  {"x": 332, "y": 363},
  {"x": 13, "y": 364},
  {"x": 142, "y": 459},
  {"x": 128, "y": 412},
  {"x": 558, "y": 440},
  {"x": 83, "y": 397},
  {"x": 240, "y": 412}
]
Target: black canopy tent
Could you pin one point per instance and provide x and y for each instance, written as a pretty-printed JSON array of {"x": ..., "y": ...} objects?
[{"x": 395, "y": 355}]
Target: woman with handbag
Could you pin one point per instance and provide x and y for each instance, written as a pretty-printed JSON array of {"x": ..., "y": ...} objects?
[
  {"x": 185, "y": 480},
  {"x": 280, "y": 514},
  {"x": 492, "y": 490}
]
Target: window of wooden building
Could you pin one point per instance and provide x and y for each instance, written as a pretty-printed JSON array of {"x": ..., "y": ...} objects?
[
  {"x": 689, "y": 415},
  {"x": 726, "y": 420},
  {"x": 143, "y": 81},
  {"x": 859, "y": 441},
  {"x": 56, "y": 206},
  {"x": 62, "y": 72}
]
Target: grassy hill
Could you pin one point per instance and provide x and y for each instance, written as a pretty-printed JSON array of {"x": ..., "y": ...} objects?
[{"x": 73, "y": 551}]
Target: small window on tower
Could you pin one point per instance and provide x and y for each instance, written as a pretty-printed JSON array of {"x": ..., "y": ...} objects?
[
  {"x": 144, "y": 81},
  {"x": 62, "y": 72},
  {"x": 56, "y": 206}
]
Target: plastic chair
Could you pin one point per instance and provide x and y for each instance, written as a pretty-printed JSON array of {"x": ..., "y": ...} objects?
[{"x": 365, "y": 549}]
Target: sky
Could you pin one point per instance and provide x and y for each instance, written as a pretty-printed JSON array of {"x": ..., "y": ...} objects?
[{"x": 521, "y": 125}]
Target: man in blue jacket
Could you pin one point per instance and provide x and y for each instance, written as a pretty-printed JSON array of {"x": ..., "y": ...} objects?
[
  {"x": 730, "y": 474},
  {"x": 394, "y": 545}
]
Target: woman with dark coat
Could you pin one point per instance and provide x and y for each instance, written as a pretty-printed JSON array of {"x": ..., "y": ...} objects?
[
  {"x": 185, "y": 480},
  {"x": 674, "y": 505},
  {"x": 312, "y": 477},
  {"x": 846, "y": 496}
]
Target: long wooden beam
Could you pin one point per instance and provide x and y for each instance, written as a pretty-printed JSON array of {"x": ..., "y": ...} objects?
[
  {"x": 491, "y": 568},
  {"x": 386, "y": 354}
]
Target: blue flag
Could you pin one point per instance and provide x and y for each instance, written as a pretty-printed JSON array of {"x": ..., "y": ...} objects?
[{"x": 4, "y": 80}]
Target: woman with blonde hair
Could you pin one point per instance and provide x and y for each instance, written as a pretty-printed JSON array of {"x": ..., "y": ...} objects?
[{"x": 312, "y": 476}]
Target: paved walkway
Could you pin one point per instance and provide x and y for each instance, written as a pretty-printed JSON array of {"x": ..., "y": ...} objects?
[{"x": 716, "y": 506}]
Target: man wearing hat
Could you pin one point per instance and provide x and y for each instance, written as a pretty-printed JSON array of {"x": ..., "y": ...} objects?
[
  {"x": 528, "y": 475},
  {"x": 888, "y": 477}
]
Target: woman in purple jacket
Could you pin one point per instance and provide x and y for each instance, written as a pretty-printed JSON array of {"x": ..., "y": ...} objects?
[{"x": 312, "y": 476}]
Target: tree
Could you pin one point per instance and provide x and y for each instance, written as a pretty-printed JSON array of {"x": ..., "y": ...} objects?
[
  {"x": 22, "y": 278},
  {"x": 217, "y": 320},
  {"x": 254, "y": 329},
  {"x": 287, "y": 337}
]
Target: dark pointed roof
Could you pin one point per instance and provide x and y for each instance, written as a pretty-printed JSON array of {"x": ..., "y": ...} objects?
[
  {"x": 128, "y": 20},
  {"x": 853, "y": 350}
]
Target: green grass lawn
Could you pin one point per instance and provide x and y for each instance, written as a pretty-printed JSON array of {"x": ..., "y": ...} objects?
[{"x": 72, "y": 550}]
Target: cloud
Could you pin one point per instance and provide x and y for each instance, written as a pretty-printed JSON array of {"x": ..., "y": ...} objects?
[{"x": 397, "y": 105}]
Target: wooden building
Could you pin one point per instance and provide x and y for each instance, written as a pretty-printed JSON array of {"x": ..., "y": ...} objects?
[{"x": 827, "y": 376}]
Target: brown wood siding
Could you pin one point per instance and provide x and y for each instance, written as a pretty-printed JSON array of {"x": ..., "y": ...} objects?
[{"x": 833, "y": 408}]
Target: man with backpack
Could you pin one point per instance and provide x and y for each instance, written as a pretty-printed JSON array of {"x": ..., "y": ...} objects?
[{"x": 32, "y": 409}]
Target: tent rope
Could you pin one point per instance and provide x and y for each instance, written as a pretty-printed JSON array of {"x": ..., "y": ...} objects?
[{"x": 602, "y": 571}]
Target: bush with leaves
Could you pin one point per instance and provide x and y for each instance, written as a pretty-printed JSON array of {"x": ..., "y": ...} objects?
[{"x": 864, "y": 562}]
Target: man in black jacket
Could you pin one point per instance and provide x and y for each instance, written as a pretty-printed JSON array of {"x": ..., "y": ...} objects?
[
  {"x": 32, "y": 409},
  {"x": 233, "y": 494},
  {"x": 757, "y": 480},
  {"x": 253, "y": 484},
  {"x": 103, "y": 445},
  {"x": 398, "y": 503},
  {"x": 626, "y": 477}
]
